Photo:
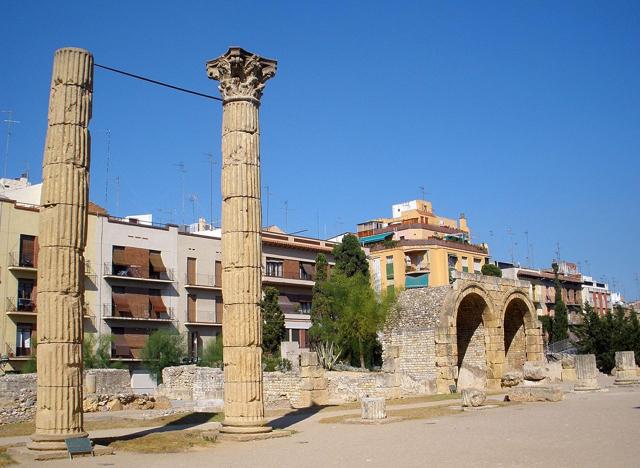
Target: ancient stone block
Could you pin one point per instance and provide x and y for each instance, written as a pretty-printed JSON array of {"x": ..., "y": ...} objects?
[
  {"x": 473, "y": 397},
  {"x": 535, "y": 393},
  {"x": 586, "y": 373},
  {"x": 511, "y": 378},
  {"x": 373, "y": 408},
  {"x": 535, "y": 370},
  {"x": 626, "y": 369}
]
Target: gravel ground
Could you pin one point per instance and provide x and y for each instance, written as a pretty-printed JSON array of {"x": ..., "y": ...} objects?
[{"x": 594, "y": 429}]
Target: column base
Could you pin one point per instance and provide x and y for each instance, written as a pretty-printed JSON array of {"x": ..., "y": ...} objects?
[
  {"x": 626, "y": 382},
  {"x": 42, "y": 442},
  {"x": 245, "y": 429}
]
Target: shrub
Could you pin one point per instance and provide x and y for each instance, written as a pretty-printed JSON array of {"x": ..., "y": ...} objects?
[
  {"x": 489, "y": 269},
  {"x": 164, "y": 348},
  {"x": 212, "y": 355},
  {"x": 272, "y": 363}
]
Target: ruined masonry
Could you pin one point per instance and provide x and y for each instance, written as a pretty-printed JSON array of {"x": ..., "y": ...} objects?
[
  {"x": 63, "y": 232},
  {"x": 242, "y": 78},
  {"x": 464, "y": 335}
]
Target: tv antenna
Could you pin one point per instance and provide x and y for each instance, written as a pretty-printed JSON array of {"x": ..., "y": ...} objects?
[
  {"x": 9, "y": 121},
  {"x": 212, "y": 163},
  {"x": 183, "y": 171}
]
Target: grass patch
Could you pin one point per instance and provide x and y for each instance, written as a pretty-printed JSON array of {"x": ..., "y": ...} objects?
[
  {"x": 163, "y": 442},
  {"x": 5, "y": 459},
  {"x": 186, "y": 419},
  {"x": 427, "y": 412}
]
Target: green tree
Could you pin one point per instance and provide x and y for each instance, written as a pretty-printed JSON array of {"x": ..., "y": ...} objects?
[
  {"x": 212, "y": 355},
  {"x": 489, "y": 269},
  {"x": 604, "y": 335},
  {"x": 31, "y": 365},
  {"x": 96, "y": 354},
  {"x": 350, "y": 258},
  {"x": 273, "y": 329},
  {"x": 321, "y": 303},
  {"x": 163, "y": 348},
  {"x": 560, "y": 323}
]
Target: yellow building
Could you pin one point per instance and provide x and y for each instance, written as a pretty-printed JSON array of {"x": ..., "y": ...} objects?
[{"x": 417, "y": 248}]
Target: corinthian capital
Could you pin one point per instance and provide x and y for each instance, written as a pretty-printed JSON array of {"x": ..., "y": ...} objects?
[{"x": 241, "y": 74}]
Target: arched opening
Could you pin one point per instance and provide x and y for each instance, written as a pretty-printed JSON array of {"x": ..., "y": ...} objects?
[
  {"x": 514, "y": 334},
  {"x": 470, "y": 336}
]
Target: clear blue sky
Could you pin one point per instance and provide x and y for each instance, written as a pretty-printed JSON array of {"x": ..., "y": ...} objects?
[{"x": 523, "y": 115}]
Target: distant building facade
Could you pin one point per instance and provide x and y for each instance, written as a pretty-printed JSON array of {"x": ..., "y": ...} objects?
[{"x": 417, "y": 248}]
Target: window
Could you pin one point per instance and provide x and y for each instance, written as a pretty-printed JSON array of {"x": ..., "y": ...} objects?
[
  {"x": 23, "y": 339},
  {"x": 306, "y": 271},
  {"x": 305, "y": 307},
  {"x": 477, "y": 265},
  {"x": 273, "y": 268},
  {"x": 390, "y": 267},
  {"x": 465, "y": 264},
  {"x": 26, "y": 295},
  {"x": 295, "y": 335},
  {"x": 27, "y": 251}
]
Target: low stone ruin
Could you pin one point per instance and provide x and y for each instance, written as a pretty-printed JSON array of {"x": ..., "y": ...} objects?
[
  {"x": 473, "y": 397},
  {"x": 131, "y": 401},
  {"x": 626, "y": 370},
  {"x": 373, "y": 408},
  {"x": 17, "y": 398},
  {"x": 586, "y": 373}
]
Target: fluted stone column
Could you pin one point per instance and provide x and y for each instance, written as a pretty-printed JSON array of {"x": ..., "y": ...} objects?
[
  {"x": 586, "y": 373},
  {"x": 242, "y": 76},
  {"x": 626, "y": 369},
  {"x": 62, "y": 238}
]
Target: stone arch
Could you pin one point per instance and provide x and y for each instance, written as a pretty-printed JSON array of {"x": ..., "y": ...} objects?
[
  {"x": 474, "y": 356},
  {"x": 522, "y": 338}
]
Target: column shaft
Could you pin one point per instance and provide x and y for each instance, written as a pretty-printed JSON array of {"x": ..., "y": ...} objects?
[{"x": 62, "y": 238}]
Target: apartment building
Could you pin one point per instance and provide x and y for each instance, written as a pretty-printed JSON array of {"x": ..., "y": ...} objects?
[
  {"x": 141, "y": 276},
  {"x": 417, "y": 248},
  {"x": 597, "y": 294}
]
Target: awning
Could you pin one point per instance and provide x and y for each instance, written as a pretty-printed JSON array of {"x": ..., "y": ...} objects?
[
  {"x": 375, "y": 238},
  {"x": 121, "y": 302},
  {"x": 156, "y": 304},
  {"x": 309, "y": 269},
  {"x": 156, "y": 262},
  {"x": 118, "y": 256},
  {"x": 287, "y": 306}
]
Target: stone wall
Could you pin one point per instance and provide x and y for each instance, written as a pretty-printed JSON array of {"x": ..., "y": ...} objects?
[
  {"x": 192, "y": 383},
  {"x": 408, "y": 340},
  {"x": 17, "y": 397},
  {"x": 282, "y": 390},
  {"x": 108, "y": 381},
  {"x": 344, "y": 387}
]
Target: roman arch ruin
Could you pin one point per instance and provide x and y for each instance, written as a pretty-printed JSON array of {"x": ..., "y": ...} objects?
[{"x": 465, "y": 334}]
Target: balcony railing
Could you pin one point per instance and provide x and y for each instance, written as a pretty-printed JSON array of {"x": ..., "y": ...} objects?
[
  {"x": 417, "y": 268},
  {"x": 21, "y": 261},
  {"x": 23, "y": 352},
  {"x": 203, "y": 316},
  {"x": 292, "y": 276},
  {"x": 136, "y": 272},
  {"x": 20, "y": 305},
  {"x": 201, "y": 280},
  {"x": 137, "y": 313}
]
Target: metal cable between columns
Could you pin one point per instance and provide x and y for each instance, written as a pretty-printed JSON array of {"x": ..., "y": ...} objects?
[{"x": 160, "y": 83}]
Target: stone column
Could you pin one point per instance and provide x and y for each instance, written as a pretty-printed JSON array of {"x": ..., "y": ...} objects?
[
  {"x": 626, "y": 369},
  {"x": 242, "y": 76},
  {"x": 62, "y": 238},
  {"x": 586, "y": 373}
]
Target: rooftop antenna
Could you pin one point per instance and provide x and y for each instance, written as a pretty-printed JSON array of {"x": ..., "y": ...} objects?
[
  {"x": 193, "y": 198},
  {"x": 286, "y": 214},
  {"x": 526, "y": 237},
  {"x": 212, "y": 163},
  {"x": 422, "y": 191},
  {"x": 558, "y": 251},
  {"x": 9, "y": 123},
  {"x": 510, "y": 234},
  {"x": 106, "y": 189},
  {"x": 637, "y": 278},
  {"x": 587, "y": 268},
  {"x": 268, "y": 194},
  {"x": 182, "y": 171},
  {"x": 117, "y": 194}
]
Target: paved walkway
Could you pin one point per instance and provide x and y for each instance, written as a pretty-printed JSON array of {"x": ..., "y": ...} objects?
[{"x": 595, "y": 429}]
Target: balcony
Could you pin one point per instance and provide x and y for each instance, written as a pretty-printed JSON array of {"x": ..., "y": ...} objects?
[
  {"x": 21, "y": 306},
  {"x": 21, "y": 263},
  {"x": 201, "y": 318},
  {"x": 202, "y": 282},
  {"x": 417, "y": 268},
  {"x": 136, "y": 273},
  {"x": 275, "y": 277},
  {"x": 20, "y": 353},
  {"x": 137, "y": 314}
]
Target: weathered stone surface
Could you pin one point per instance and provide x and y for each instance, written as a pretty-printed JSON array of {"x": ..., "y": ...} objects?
[
  {"x": 511, "y": 378},
  {"x": 473, "y": 397},
  {"x": 535, "y": 370},
  {"x": 373, "y": 408},
  {"x": 535, "y": 393},
  {"x": 626, "y": 369},
  {"x": 471, "y": 376},
  {"x": 569, "y": 375},
  {"x": 63, "y": 225},
  {"x": 586, "y": 373},
  {"x": 242, "y": 78}
]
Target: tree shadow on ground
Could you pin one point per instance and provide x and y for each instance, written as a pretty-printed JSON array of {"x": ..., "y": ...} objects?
[
  {"x": 185, "y": 422},
  {"x": 294, "y": 417}
]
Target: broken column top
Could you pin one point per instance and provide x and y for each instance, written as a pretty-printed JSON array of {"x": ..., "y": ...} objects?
[{"x": 241, "y": 74}]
